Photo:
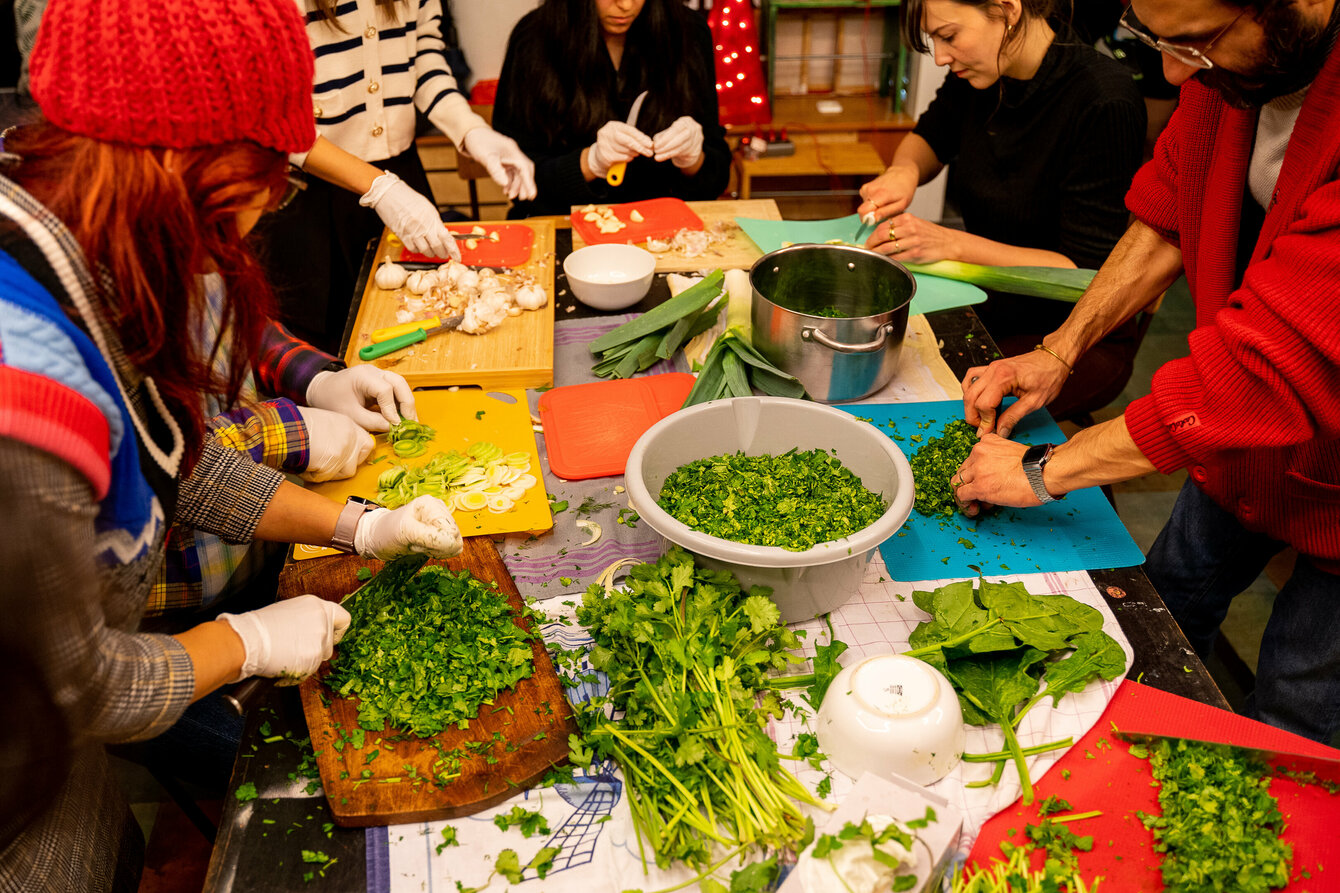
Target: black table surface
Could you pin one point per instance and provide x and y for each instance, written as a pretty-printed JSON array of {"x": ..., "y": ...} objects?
[{"x": 260, "y": 842}]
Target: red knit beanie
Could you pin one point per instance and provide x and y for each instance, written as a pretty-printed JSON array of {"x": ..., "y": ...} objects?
[{"x": 176, "y": 73}]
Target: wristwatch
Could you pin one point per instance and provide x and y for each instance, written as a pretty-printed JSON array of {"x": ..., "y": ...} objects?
[
  {"x": 343, "y": 537},
  {"x": 1035, "y": 459}
]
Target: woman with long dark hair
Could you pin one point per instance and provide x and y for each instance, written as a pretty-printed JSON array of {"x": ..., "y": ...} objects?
[
  {"x": 572, "y": 72},
  {"x": 167, "y": 125},
  {"x": 1042, "y": 136}
]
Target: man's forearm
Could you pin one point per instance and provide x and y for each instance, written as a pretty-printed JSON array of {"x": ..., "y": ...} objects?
[
  {"x": 1140, "y": 268},
  {"x": 296, "y": 515},
  {"x": 1102, "y": 454}
]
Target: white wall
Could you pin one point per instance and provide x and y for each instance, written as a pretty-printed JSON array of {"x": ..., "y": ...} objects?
[
  {"x": 484, "y": 26},
  {"x": 926, "y": 77}
]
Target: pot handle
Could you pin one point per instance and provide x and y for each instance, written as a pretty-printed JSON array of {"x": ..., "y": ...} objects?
[{"x": 810, "y": 333}]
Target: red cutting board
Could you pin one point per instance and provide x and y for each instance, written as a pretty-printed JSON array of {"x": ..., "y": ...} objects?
[
  {"x": 512, "y": 248},
  {"x": 589, "y": 429},
  {"x": 1120, "y": 784},
  {"x": 661, "y": 219}
]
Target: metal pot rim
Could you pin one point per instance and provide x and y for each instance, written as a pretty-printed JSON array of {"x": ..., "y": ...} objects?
[{"x": 855, "y": 249}]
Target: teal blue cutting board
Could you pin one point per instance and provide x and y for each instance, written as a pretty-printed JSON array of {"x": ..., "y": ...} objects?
[
  {"x": 933, "y": 293},
  {"x": 1080, "y": 532}
]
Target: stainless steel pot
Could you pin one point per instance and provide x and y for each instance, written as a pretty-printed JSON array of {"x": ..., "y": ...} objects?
[{"x": 836, "y": 358}]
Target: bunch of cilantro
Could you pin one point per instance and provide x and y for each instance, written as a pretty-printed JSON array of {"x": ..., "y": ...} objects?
[
  {"x": 934, "y": 465},
  {"x": 998, "y": 644},
  {"x": 794, "y": 500},
  {"x": 1220, "y": 828},
  {"x": 686, "y": 652},
  {"x": 429, "y": 654}
]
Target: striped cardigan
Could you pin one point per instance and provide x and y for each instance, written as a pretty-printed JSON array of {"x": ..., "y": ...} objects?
[
  {"x": 1254, "y": 411},
  {"x": 373, "y": 71}
]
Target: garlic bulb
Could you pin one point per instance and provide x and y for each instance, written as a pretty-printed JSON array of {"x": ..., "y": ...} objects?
[
  {"x": 390, "y": 275},
  {"x": 420, "y": 281},
  {"x": 530, "y": 297}
]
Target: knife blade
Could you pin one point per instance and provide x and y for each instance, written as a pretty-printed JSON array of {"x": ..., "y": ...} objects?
[
  {"x": 1325, "y": 770},
  {"x": 394, "y": 574},
  {"x": 414, "y": 336},
  {"x": 615, "y": 174}
]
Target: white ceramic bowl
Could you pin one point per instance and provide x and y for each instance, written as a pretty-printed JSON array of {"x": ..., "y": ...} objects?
[
  {"x": 610, "y": 277},
  {"x": 894, "y": 716},
  {"x": 804, "y": 584}
]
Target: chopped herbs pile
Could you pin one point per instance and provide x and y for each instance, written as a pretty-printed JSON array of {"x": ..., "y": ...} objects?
[
  {"x": 409, "y": 438},
  {"x": 1220, "y": 826},
  {"x": 655, "y": 335},
  {"x": 934, "y": 464},
  {"x": 999, "y": 643},
  {"x": 481, "y": 477},
  {"x": 427, "y": 655},
  {"x": 687, "y": 652},
  {"x": 794, "y": 501},
  {"x": 1018, "y": 876}
]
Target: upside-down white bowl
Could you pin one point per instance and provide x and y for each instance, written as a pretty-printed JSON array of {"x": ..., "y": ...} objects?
[
  {"x": 804, "y": 584},
  {"x": 894, "y": 716},
  {"x": 610, "y": 277}
]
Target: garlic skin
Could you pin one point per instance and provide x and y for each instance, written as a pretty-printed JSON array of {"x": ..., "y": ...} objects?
[
  {"x": 390, "y": 276},
  {"x": 530, "y": 297},
  {"x": 484, "y": 313},
  {"x": 468, "y": 279}
]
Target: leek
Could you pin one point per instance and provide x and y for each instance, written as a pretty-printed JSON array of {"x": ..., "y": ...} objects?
[{"x": 1057, "y": 283}]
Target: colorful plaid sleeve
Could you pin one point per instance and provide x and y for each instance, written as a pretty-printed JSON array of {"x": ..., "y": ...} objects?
[
  {"x": 286, "y": 364},
  {"x": 272, "y": 434}
]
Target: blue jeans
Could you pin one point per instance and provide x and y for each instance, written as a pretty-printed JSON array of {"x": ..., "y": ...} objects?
[{"x": 1202, "y": 560}]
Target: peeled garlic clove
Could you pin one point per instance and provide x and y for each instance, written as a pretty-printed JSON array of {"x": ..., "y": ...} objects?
[{"x": 635, "y": 215}]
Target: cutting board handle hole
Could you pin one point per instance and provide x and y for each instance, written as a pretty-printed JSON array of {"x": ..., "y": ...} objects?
[{"x": 500, "y": 397}]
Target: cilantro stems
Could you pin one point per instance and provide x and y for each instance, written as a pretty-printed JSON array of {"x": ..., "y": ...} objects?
[{"x": 1027, "y": 751}]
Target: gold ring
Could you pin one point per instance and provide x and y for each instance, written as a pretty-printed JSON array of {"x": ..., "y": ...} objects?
[
  {"x": 960, "y": 483},
  {"x": 896, "y": 249}
]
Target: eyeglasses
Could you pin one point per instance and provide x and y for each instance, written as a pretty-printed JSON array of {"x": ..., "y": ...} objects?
[
  {"x": 293, "y": 186},
  {"x": 1190, "y": 56}
]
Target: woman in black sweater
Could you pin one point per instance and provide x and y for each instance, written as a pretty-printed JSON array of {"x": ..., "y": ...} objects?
[
  {"x": 1042, "y": 136},
  {"x": 572, "y": 71}
]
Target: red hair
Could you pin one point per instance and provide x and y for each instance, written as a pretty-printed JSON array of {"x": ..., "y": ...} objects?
[{"x": 154, "y": 220}]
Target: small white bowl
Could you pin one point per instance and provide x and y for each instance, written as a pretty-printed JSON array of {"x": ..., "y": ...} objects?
[
  {"x": 610, "y": 277},
  {"x": 894, "y": 716}
]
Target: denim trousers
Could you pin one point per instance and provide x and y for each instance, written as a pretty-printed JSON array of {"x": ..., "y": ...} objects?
[{"x": 1202, "y": 560}]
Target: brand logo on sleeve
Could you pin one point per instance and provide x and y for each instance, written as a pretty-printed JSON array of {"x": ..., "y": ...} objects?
[{"x": 1186, "y": 422}]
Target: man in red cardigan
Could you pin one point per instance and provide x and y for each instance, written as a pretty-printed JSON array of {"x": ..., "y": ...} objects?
[{"x": 1242, "y": 195}]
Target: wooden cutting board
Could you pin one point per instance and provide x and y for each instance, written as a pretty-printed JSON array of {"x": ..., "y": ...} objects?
[
  {"x": 517, "y": 354},
  {"x": 537, "y": 706},
  {"x": 736, "y": 251}
]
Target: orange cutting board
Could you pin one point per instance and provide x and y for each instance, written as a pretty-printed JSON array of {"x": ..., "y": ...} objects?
[
  {"x": 661, "y": 219},
  {"x": 511, "y": 249},
  {"x": 533, "y": 721},
  {"x": 517, "y": 354},
  {"x": 461, "y": 417},
  {"x": 589, "y": 429}
]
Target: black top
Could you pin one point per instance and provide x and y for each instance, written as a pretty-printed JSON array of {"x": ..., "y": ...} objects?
[
  {"x": 558, "y": 169},
  {"x": 1043, "y": 163}
]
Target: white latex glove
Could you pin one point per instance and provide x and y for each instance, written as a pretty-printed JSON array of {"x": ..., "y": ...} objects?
[
  {"x": 410, "y": 216},
  {"x": 349, "y": 391},
  {"x": 424, "y": 524},
  {"x": 290, "y": 638},
  {"x": 616, "y": 141},
  {"x": 509, "y": 167},
  {"x": 681, "y": 143},
  {"x": 336, "y": 446}
]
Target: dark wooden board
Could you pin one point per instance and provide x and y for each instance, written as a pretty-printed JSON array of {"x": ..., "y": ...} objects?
[{"x": 537, "y": 705}]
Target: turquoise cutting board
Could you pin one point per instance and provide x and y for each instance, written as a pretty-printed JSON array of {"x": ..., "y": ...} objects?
[
  {"x": 1080, "y": 532},
  {"x": 933, "y": 293}
]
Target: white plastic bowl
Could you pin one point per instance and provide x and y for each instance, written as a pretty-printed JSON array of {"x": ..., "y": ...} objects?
[
  {"x": 804, "y": 584},
  {"x": 610, "y": 277},
  {"x": 894, "y": 716}
]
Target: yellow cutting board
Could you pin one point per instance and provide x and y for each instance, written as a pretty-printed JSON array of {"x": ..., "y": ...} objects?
[
  {"x": 517, "y": 354},
  {"x": 736, "y": 251},
  {"x": 461, "y": 417}
]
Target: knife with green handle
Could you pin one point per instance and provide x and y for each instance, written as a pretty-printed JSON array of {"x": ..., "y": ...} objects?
[
  {"x": 396, "y": 573},
  {"x": 391, "y": 345}
]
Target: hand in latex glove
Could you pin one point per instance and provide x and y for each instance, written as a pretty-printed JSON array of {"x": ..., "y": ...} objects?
[
  {"x": 424, "y": 524},
  {"x": 335, "y": 445},
  {"x": 349, "y": 392},
  {"x": 509, "y": 167},
  {"x": 681, "y": 143},
  {"x": 616, "y": 141},
  {"x": 410, "y": 216},
  {"x": 290, "y": 638}
]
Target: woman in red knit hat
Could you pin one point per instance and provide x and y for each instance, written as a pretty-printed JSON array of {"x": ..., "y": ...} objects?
[{"x": 166, "y": 128}]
